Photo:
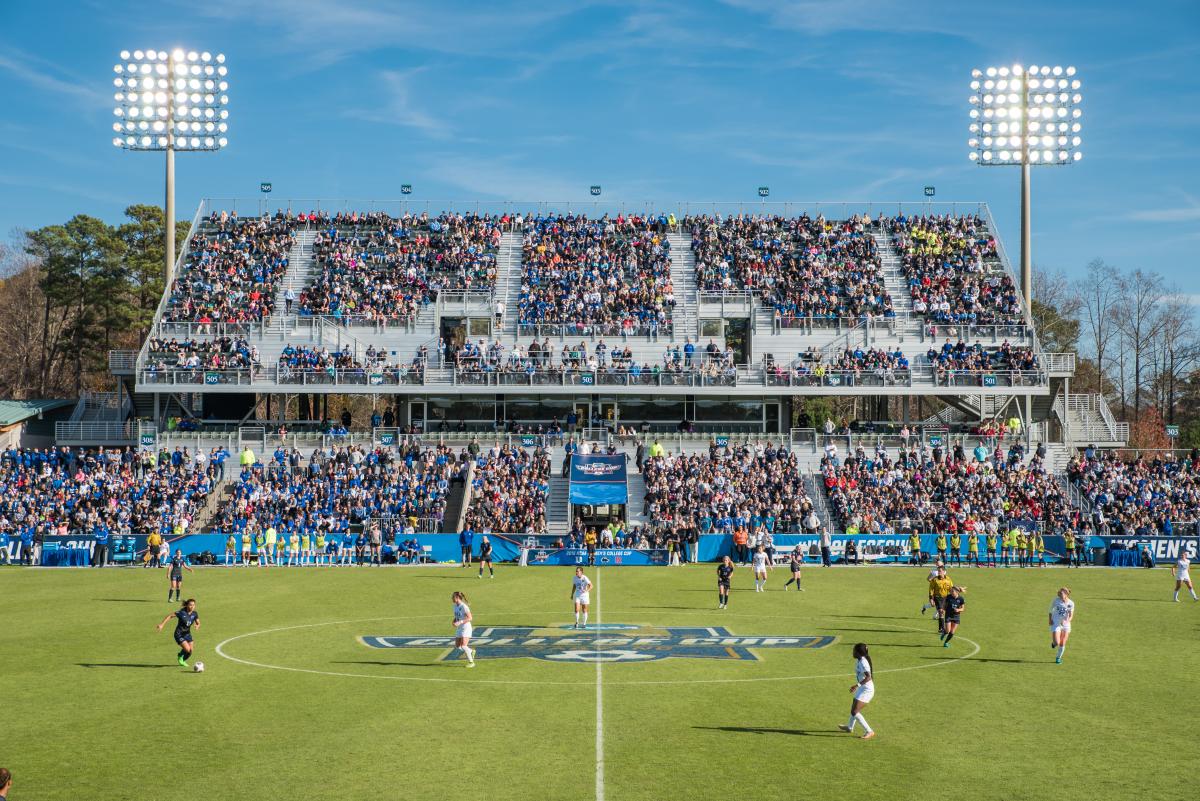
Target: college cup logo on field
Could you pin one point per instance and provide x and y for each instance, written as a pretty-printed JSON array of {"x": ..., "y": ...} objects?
[{"x": 510, "y": 642}]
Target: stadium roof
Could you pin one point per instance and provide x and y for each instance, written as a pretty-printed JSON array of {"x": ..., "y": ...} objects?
[{"x": 18, "y": 411}]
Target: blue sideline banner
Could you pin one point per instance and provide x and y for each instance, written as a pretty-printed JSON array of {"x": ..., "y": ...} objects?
[
  {"x": 1164, "y": 549},
  {"x": 598, "y": 478},
  {"x": 604, "y": 556}
]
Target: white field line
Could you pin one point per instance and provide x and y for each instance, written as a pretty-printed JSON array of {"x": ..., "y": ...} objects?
[{"x": 599, "y": 700}]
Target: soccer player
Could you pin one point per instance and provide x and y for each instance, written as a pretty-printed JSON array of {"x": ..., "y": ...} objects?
[
  {"x": 1182, "y": 576},
  {"x": 914, "y": 548},
  {"x": 955, "y": 548},
  {"x": 795, "y": 561},
  {"x": 939, "y": 590},
  {"x": 940, "y": 543},
  {"x": 293, "y": 551},
  {"x": 1039, "y": 545},
  {"x": 863, "y": 689},
  {"x": 175, "y": 574},
  {"x": 463, "y": 627},
  {"x": 306, "y": 551},
  {"x": 955, "y": 603},
  {"x": 992, "y": 537},
  {"x": 589, "y": 542},
  {"x": 724, "y": 577},
  {"x": 760, "y": 569},
  {"x": 933, "y": 572},
  {"x": 973, "y": 548},
  {"x": 230, "y": 550},
  {"x": 245, "y": 547},
  {"x": 1062, "y": 612},
  {"x": 466, "y": 539},
  {"x": 185, "y": 618},
  {"x": 485, "y": 557},
  {"x": 1069, "y": 547},
  {"x": 581, "y": 593},
  {"x": 260, "y": 547}
]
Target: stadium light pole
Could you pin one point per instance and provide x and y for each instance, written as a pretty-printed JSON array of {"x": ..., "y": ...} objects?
[
  {"x": 1025, "y": 116},
  {"x": 170, "y": 101}
]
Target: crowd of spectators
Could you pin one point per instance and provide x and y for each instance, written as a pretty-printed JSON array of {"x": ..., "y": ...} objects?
[
  {"x": 607, "y": 276},
  {"x": 336, "y": 488},
  {"x": 383, "y": 270},
  {"x": 924, "y": 489},
  {"x": 306, "y": 364},
  {"x": 805, "y": 268},
  {"x": 231, "y": 269},
  {"x": 747, "y": 488},
  {"x": 852, "y": 367},
  {"x": 1148, "y": 496},
  {"x": 101, "y": 493},
  {"x": 544, "y": 357},
  {"x": 952, "y": 272},
  {"x": 959, "y": 357},
  {"x": 220, "y": 353},
  {"x": 509, "y": 490}
]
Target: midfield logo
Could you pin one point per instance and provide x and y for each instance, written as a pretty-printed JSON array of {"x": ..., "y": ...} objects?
[{"x": 715, "y": 642}]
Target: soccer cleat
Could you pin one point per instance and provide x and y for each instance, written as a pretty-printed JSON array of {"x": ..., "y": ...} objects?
[
  {"x": 470, "y": 664},
  {"x": 945, "y": 643},
  {"x": 923, "y": 608},
  {"x": 844, "y": 727},
  {"x": 182, "y": 662},
  {"x": 867, "y": 736},
  {"x": 1058, "y": 660}
]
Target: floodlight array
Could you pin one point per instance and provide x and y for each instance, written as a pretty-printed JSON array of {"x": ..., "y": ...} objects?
[
  {"x": 170, "y": 99},
  {"x": 1025, "y": 112}
]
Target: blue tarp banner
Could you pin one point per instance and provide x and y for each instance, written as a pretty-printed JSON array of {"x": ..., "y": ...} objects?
[{"x": 598, "y": 478}]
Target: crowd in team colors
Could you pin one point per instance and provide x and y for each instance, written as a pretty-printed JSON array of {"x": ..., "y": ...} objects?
[
  {"x": 1148, "y": 496},
  {"x": 508, "y": 491},
  {"x": 604, "y": 276},
  {"x": 220, "y": 353},
  {"x": 544, "y": 357},
  {"x": 383, "y": 270},
  {"x": 743, "y": 490},
  {"x": 231, "y": 269},
  {"x": 923, "y": 489},
  {"x": 960, "y": 357},
  {"x": 289, "y": 496},
  {"x": 953, "y": 277},
  {"x": 100, "y": 493},
  {"x": 804, "y": 268}
]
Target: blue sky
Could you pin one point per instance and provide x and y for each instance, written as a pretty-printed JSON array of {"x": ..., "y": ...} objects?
[{"x": 659, "y": 102}]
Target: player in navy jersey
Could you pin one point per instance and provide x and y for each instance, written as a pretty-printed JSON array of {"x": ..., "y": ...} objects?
[
  {"x": 796, "y": 562},
  {"x": 952, "y": 608},
  {"x": 185, "y": 618},
  {"x": 485, "y": 557},
  {"x": 178, "y": 565},
  {"x": 724, "y": 577}
]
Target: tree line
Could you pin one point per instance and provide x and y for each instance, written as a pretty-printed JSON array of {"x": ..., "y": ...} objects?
[{"x": 69, "y": 293}]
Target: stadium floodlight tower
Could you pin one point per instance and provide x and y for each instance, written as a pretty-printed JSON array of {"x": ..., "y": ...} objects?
[
  {"x": 1025, "y": 116},
  {"x": 170, "y": 101}
]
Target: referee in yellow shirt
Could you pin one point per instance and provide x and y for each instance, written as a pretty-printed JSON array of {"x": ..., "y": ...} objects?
[{"x": 939, "y": 589}]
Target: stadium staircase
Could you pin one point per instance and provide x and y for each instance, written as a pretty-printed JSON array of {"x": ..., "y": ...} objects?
[
  {"x": 221, "y": 493},
  {"x": 456, "y": 502},
  {"x": 636, "y": 485},
  {"x": 815, "y": 489},
  {"x": 509, "y": 274},
  {"x": 302, "y": 268},
  {"x": 683, "y": 282},
  {"x": 558, "y": 505}
]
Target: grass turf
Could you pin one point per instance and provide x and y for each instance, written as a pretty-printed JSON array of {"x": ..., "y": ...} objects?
[{"x": 93, "y": 703}]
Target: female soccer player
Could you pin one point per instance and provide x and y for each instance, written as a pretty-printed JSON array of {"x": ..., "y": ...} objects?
[
  {"x": 1182, "y": 577},
  {"x": 1062, "y": 612},
  {"x": 991, "y": 548},
  {"x": 245, "y": 547},
  {"x": 581, "y": 593},
  {"x": 306, "y": 552},
  {"x": 175, "y": 574},
  {"x": 954, "y": 604},
  {"x": 463, "y": 627},
  {"x": 230, "y": 551},
  {"x": 973, "y": 548},
  {"x": 724, "y": 576},
  {"x": 760, "y": 569},
  {"x": 293, "y": 557},
  {"x": 485, "y": 557},
  {"x": 795, "y": 561},
  {"x": 185, "y": 618},
  {"x": 863, "y": 689}
]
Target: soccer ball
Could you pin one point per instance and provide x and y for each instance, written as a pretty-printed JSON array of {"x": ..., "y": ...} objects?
[{"x": 198, "y": 667}]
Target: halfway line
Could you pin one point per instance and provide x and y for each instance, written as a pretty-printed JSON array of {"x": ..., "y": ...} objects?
[{"x": 599, "y": 699}]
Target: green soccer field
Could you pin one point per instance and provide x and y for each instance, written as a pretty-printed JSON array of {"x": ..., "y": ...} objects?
[{"x": 94, "y": 704}]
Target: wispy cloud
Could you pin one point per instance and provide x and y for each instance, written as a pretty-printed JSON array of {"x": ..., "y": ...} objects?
[
  {"x": 48, "y": 77},
  {"x": 1188, "y": 211},
  {"x": 820, "y": 17},
  {"x": 398, "y": 107},
  {"x": 502, "y": 178}
]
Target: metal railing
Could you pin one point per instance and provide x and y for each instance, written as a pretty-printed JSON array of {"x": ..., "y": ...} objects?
[
  {"x": 594, "y": 378},
  {"x": 840, "y": 378},
  {"x": 193, "y": 330},
  {"x": 122, "y": 361},
  {"x": 989, "y": 379},
  {"x": 96, "y": 431},
  {"x": 996, "y": 332},
  {"x": 200, "y": 377},
  {"x": 1059, "y": 362},
  {"x": 383, "y": 377},
  {"x": 562, "y": 330}
]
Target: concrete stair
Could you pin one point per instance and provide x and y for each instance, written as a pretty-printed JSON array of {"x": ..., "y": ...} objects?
[
  {"x": 558, "y": 506},
  {"x": 683, "y": 281}
]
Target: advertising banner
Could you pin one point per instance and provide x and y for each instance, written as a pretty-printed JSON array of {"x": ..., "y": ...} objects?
[
  {"x": 598, "y": 478},
  {"x": 604, "y": 556}
]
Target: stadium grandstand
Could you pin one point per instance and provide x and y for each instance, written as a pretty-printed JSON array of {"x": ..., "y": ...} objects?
[{"x": 493, "y": 342}]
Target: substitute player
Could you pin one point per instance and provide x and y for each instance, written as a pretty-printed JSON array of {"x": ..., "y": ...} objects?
[
  {"x": 795, "y": 561},
  {"x": 175, "y": 574},
  {"x": 581, "y": 593},
  {"x": 1062, "y": 612},
  {"x": 724, "y": 577},
  {"x": 760, "y": 569},
  {"x": 1182, "y": 576},
  {"x": 863, "y": 689},
  {"x": 485, "y": 557},
  {"x": 463, "y": 627},
  {"x": 955, "y": 603},
  {"x": 185, "y": 618}
]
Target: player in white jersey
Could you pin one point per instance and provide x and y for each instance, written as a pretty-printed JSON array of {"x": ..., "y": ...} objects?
[
  {"x": 581, "y": 594},
  {"x": 760, "y": 569},
  {"x": 1062, "y": 612},
  {"x": 463, "y": 627},
  {"x": 1182, "y": 577},
  {"x": 863, "y": 689}
]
